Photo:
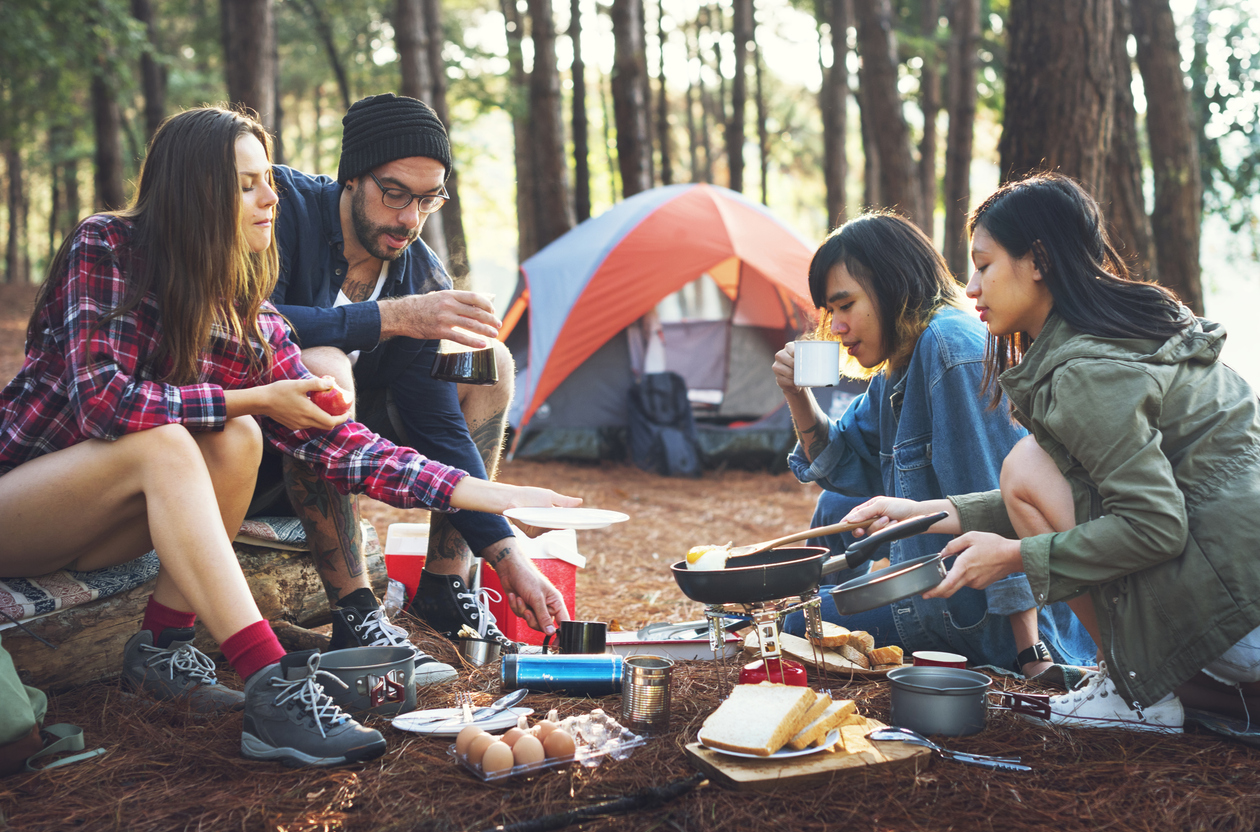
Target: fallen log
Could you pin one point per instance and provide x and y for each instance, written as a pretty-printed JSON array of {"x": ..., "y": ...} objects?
[{"x": 90, "y": 638}]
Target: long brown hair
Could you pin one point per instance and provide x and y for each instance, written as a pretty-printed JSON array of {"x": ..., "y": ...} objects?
[
  {"x": 187, "y": 248},
  {"x": 1052, "y": 217},
  {"x": 902, "y": 272}
]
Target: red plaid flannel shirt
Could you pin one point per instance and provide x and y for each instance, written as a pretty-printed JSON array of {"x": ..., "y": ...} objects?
[{"x": 81, "y": 381}]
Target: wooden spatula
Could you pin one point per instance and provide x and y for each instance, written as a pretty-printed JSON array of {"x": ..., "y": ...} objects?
[{"x": 821, "y": 531}]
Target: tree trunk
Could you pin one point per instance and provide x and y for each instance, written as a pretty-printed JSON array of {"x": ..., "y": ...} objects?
[
  {"x": 706, "y": 107},
  {"x": 453, "y": 212},
  {"x": 834, "y": 102},
  {"x": 930, "y": 104},
  {"x": 110, "y": 191},
  {"x": 662, "y": 105},
  {"x": 411, "y": 40},
  {"x": 872, "y": 195},
  {"x": 551, "y": 187},
  {"x": 1174, "y": 152},
  {"x": 741, "y": 28},
  {"x": 518, "y": 102},
  {"x": 606, "y": 118},
  {"x": 763, "y": 136},
  {"x": 1129, "y": 226},
  {"x": 693, "y": 139},
  {"x": 1059, "y": 91},
  {"x": 964, "y": 40},
  {"x": 324, "y": 29},
  {"x": 717, "y": 25},
  {"x": 634, "y": 147},
  {"x": 277, "y": 127},
  {"x": 881, "y": 108},
  {"x": 249, "y": 66},
  {"x": 17, "y": 261},
  {"x": 581, "y": 128},
  {"x": 152, "y": 73}
]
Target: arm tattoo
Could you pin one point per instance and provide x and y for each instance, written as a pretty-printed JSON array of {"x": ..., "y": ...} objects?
[
  {"x": 494, "y": 558},
  {"x": 813, "y": 440},
  {"x": 489, "y": 437}
]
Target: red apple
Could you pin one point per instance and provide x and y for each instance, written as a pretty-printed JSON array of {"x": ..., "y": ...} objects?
[{"x": 334, "y": 401}]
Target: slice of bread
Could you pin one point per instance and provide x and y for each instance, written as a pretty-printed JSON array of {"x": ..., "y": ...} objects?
[
  {"x": 817, "y": 729},
  {"x": 890, "y": 655},
  {"x": 862, "y": 640},
  {"x": 833, "y": 635},
  {"x": 856, "y": 656},
  {"x": 853, "y": 737},
  {"x": 757, "y": 719},
  {"x": 816, "y": 710}
]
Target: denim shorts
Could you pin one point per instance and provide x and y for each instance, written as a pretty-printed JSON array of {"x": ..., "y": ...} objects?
[{"x": 1240, "y": 663}]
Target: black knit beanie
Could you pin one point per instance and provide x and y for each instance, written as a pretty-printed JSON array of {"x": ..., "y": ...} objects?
[{"x": 382, "y": 128}]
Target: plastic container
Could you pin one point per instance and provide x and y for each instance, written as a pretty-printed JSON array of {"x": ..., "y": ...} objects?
[
  {"x": 555, "y": 554},
  {"x": 406, "y": 545}
]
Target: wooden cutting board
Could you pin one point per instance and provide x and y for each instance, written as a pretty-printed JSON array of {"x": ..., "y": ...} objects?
[{"x": 821, "y": 769}]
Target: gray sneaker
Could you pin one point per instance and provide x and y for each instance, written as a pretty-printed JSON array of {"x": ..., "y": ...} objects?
[
  {"x": 289, "y": 718},
  {"x": 353, "y": 627},
  {"x": 174, "y": 669}
]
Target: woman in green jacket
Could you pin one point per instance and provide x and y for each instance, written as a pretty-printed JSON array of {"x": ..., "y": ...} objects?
[{"x": 1137, "y": 496}]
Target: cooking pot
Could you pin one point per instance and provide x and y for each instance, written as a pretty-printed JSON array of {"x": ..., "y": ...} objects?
[
  {"x": 952, "y": 702},
  {"x": 785, "y": 572},
  {"x": 379, "y": 680}
]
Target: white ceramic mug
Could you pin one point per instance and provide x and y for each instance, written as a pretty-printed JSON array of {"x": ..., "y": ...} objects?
[{"x": 817, "y": 364}]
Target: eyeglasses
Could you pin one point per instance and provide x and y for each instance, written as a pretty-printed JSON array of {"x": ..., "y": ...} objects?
[{"x": 399, "y": 199}]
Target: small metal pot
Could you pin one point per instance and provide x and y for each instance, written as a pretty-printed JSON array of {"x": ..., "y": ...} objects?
[
  {"x": 378, "y": 680},
  {"x": 479, "y": 651},
  {"x": 890, "y": 584},
  {"x": 939, "y": 700}
]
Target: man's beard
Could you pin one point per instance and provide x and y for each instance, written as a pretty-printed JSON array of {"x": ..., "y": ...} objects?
[{"x": 370, "y": 235}]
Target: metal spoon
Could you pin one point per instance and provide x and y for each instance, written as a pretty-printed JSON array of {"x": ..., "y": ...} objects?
[
  {"x": 897, "y": 734},
  {"x": 498, "y": 706}
]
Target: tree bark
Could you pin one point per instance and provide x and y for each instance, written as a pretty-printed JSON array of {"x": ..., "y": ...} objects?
[
  {"x": 763, "y": 135},
  {"x": 411, "y": 40},
  {"x": 453, "y": 212},
  {"x": 110, "y": 191},
  {"x": 152, "y": 73},
  {"x": 833, "y": 102},
  {"x": 716, "y": 21},
  {"x": 881, "y": 109},
  {"x": 706, "y": 107},
  {"x": 17, "y": 261},
  {"x": 964, "y": 40},
  {"x": 324, "y": 29},
  {"x": 1059, "y": 91},
  {"x": 662, "y": 105},
  {"x": 551, "y": 187},
  {"x": 518, "y": 102},
  {"x": 871, "y": 192},
  {"x": 930, "y": 104},
  {"x": 740, "y": 28},
  {"x": 248, "y": 56},
  {"x": 1129, "y": 226},
  {"x": 634, "y": 147},
  {"x": 1174, "y": 152},
  {"x": 581, "y": 128}
]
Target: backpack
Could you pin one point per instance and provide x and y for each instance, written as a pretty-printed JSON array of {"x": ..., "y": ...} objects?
[{"x": 662, "y": 430}]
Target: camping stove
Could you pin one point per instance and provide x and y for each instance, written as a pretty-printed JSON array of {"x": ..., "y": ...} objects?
[{"x": 765, "y": 615}]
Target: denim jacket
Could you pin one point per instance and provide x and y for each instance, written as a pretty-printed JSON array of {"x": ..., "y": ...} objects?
[
  {"x": 922, "y": 433},
  {"x": 312, "y": 268}
]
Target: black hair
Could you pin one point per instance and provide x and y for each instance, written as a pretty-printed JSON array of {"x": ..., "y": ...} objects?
[
  {"x": 898, "y": 267},
  {"x": 1052, "y": 216}
]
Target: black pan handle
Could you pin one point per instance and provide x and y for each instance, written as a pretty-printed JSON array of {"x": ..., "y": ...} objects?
[{"x": 860, "y": 552}]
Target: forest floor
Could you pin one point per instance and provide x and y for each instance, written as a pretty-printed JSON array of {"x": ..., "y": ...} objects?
[{"x": 169, "y": 770}]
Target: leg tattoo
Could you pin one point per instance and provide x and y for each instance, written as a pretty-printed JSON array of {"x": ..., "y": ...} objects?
[{"x": 331, "y": 523}]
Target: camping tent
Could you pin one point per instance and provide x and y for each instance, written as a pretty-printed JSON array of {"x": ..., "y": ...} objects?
[{"x": 729, "y": 284}]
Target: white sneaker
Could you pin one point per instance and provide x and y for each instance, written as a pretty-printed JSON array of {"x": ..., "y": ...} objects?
[{"x": 1096, "y": 703}]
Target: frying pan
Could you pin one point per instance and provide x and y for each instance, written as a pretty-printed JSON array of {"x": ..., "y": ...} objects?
[{"x": 782, "y": 573}]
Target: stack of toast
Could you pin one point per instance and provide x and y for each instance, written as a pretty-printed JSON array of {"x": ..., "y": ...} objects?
[{"x": 763, "y": 719}]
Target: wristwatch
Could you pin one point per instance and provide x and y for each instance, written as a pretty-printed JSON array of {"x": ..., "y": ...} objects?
[{"x": 1039, "y": 652}]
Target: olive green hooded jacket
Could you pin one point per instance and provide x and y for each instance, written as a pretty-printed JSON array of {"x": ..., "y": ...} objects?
[{"x": 1161, "y": 445}]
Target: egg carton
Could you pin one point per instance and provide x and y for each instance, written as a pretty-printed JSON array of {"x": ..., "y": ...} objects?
[{"x": 585, "y": 754}]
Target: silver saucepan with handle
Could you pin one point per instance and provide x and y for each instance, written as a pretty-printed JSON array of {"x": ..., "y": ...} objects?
[
  {"x": 892, "y": 583},
  {"x": 785, "y": 572}
]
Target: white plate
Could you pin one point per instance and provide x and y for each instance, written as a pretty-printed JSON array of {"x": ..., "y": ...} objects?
[
  {"x": 784, "y": 752},
  {"x": 556, "y": 517},
  {"x": 431, "y": 722}
]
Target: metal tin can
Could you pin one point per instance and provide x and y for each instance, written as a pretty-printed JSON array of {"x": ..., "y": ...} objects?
[{"x": 577, "y": 675}]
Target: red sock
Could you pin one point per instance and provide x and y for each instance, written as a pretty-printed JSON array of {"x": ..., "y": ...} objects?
[
  {"x": 252, "y": 648},
  {"x": 158, "y": 617}
]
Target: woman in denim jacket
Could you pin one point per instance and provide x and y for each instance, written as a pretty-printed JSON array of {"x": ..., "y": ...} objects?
[{"x": 921, "y": 431}]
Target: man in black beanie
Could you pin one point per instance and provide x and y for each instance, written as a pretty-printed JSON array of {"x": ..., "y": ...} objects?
[{"x": 369, "y": 301}]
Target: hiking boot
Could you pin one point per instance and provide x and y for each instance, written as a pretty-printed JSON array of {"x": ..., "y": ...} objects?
[
  {"x": 174, "y": 669},
  {"x": 289, "y": 718},
  {"x": 352, "y": 627},
  {"x": 447, "y": 605},
  {"x": 1095, "y": 703}
]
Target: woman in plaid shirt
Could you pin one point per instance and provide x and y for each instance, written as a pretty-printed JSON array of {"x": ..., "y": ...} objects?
[{"x": 155, "y": 369}]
